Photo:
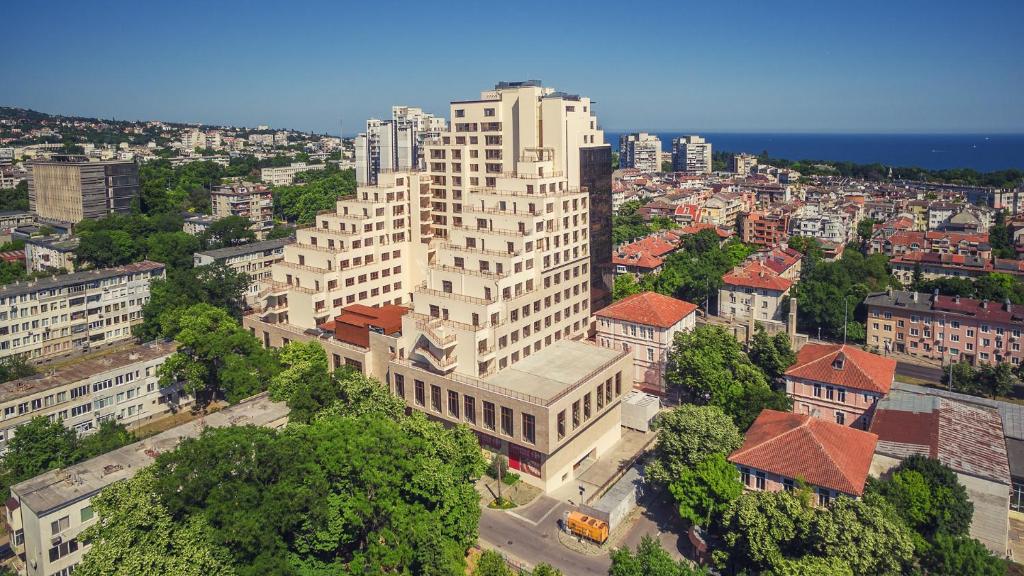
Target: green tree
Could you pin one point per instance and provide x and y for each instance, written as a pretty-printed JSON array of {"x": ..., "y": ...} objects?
[
  {"x": 772, "y": 354},
  {"x": 650, "y": 559},
  {"x": 999, "y": 237},
  {"x": 956, "y": 555},
  {"x": 216, "y": 357},
  {"x": 175, "y": 249},
  {"x": 14, "y": 367},
  {"x": 687, "y": 436},
  {"x": 106, "y": 248},
  {"x": 110, "y": 436},
  {"x": 928, "y": 496},
  {"x": 136, "y": 535},
  {"x": 865, "y": 229},
  {"x": 38, "y": 446},
  {"x": 214, "y": 284},
  {"x": 625, "y": 285},
  {"x": 847, "y": 528},
  {"x": 313, "y": 192},
  {"x": 15, "y": 199},
  {"x": 706, "y": 491},
  {"x": 280, "y": 231},
  {"x": 229, "y": 231},
  {"x": 492, "y": 563},
  {"x": 996, "y": 380},
  {"x": 543, "y": 569},
  {"x": 761, "y": 530}
]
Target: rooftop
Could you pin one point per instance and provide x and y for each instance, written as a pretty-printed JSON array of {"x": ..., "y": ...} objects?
[
  {"x": 557, "y": 368},
  {"x": 56, "y": 489},
  {"x": 1012, "y": 414},
  {"x": 966, "y": 437},
  {"x": 755, "y": 274},
  {"x": 250, "y": 248},
  {"x": 802, "y": 447},
  {"x": 19, "y": 288},
  {"x": 953, "y": 305},
  {"x": 649, "y": 308},
  {"x": 84, "y": 368},
  {"x": 844, "y": 365}
]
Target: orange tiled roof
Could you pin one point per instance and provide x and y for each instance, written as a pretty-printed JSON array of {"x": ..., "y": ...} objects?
[
  {"x": 819, "y": 452},
  {"x": 755, "y": 274},
  {"x": 649, "y": 308},
  {"x": 844, "y": 365}
]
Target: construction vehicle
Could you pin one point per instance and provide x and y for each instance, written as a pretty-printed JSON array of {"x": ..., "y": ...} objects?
[{"x": 587, "y": 527}]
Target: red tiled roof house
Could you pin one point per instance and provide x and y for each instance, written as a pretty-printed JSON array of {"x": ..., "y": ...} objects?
[
  {"x": 839, "y": 383},
  {"x": 752, "y": 289},
  {"x": 781, "y": 449},
  {"x": 645, "y": 323}
]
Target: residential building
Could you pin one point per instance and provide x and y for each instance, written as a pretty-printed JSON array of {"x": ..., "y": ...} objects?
[
  {"x": 824, "y": 223},
  {"x": 46, "y": 515},
  {"x": 255, "y": 259},
  {"x": 60, "y": 315},
  {"x": 69, "y": 189},
  {"x": 784, "y": 261},
  {"x": 640, "y": 150},
  {"x": 396, "y": 144},
  {"x": 945, "y": 328},
  {"x": 489, "y": 248},
  {"x": 121, "y": 385},
  {"x": 939, "y": 212},
  {"x": 253, "y": 202},
  {"x": 285, "y": 175},
  {"x": 198, "y": 225},
  {"x": 724, "y": 209},
  {"x": 839, "y": 383},
  {"x": 11, "y": 219},
  {"x": 933, "y": 265},
  {"x": 782, "y": 450},
  {"x": 193, "y": 139},
  {"x": 691, "y": 154},
  {"x": 645, "y": 255},
  {"x": 743, "y": 163},
  {"x": 765, "y": 228},
  {"x": 752, "y": 291},
  {"x": 645, "y": 324},
  {"x": 965, "y": 436},
  {"x": 54, "y": 252}
]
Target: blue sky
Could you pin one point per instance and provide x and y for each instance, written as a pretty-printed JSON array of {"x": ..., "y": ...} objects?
[{"x": 740, "y": 66}]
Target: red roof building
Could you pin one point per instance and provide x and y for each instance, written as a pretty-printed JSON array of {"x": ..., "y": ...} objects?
[
  {"x": 781, "y": 448},
  {"x": 354, "y": 323},
  {"x": 649, "y": 309},
  {"x": 839, "y": 383},
  {"x": 752, "y": 291}
]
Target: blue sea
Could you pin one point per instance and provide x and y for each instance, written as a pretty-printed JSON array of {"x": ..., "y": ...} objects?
[{"x": 982, "y": 152}]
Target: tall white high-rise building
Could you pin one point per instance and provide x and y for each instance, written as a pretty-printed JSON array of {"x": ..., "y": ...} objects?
[
  {"x": 392, "y": 145},
  {"x": 640, "y": 150},
  {"x": 691, "y": 154}
]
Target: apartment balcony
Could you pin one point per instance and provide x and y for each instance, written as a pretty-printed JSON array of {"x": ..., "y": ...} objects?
[
  {"x": 519, "y": 212},
  {"x": 295, "y": 266},
  {"x": 422, "y": 288},
  {"x": 484, "y": 353},
  {"x": 458, "y": 248},
  {"x": 480, "y": 273},
  {"x": 567, "y": 191},
  {"x": 497, "y": 231},
  {"x": 435, "y": 331},
  {"x": 552, "y": 174}
]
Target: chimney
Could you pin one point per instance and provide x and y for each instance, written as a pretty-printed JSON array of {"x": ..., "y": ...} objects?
[
  {"x": 984, "y": 304},
  {"x": 913, "y": 295},
  {"x": 1007, "y": 306},
  {"x": 935, "y": 295}
]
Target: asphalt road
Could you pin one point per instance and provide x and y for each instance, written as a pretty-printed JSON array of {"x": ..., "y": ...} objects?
[{"x": 929, "y": 373}]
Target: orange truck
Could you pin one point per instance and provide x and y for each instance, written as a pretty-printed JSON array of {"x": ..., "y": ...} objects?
[{"x": 587, "y": 527}]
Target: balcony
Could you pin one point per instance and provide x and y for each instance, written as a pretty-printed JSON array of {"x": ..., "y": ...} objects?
[
  {"x": 422, "y": 288},
  {"x": 484, "y": 353},
  {"x": 442, "y": 364},
  {"x": 434, "y": 331}
]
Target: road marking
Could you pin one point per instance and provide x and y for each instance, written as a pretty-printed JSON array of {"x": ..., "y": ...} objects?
[{"x": 531, "y": 522}]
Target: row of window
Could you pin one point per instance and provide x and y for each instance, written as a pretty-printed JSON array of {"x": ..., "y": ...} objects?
[{"x": 604, "y": 394}]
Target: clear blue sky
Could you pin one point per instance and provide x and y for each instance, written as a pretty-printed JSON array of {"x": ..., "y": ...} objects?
[{"x": 740, "y": 66}]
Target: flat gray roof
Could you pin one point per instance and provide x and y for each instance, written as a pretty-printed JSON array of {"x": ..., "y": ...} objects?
[
  {"x": 1012, "y": 414},
  {"x": 19, "y": 288},
  {"x": 222, "y": 253},
  {"x": 57, "y": 489},
  {"x": 555, "y": 369},
  {"x": 84, "y": 368}
]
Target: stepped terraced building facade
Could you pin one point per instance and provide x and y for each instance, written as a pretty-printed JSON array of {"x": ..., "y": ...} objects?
[{"x": 489, "y": 249}]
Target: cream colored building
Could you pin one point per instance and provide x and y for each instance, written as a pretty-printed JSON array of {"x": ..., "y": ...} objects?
[
  {"x": 255, "y": 259},
  {"x": 490, "y": 248},
  {"x": 71, "y": 313},
  {"x": 121, "y": 385},
  {"x": 285, "y": 175},
  {"x": 253, "y": 202},
  {"x": 70, "y": 189},
  {"x": 46, "y": 515}
]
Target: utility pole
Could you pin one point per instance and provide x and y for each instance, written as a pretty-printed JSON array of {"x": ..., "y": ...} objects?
[{"x": 846, "y": 308}]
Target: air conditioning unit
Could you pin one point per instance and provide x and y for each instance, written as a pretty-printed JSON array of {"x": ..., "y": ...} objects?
[{"x": 56, "y": 540}]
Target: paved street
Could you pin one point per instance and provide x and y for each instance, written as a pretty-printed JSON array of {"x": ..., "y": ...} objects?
[{"x": 919, "y": 372}]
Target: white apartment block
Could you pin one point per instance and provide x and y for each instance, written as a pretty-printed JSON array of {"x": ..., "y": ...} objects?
[
  {"x": 255, "y": 259},
  {"x": 490, "y": 251},
  {"x": 253, "y": 202},
  {"x": 831, "y": 225},
  {"x": 691, "y": 154},
  {"x": 192, "y": 139},
  {"x": 396, "y": 144},
  {"x": 47, "y": 514},
  {"x": 641, "y": 151},
  {"x": 121, "y": 385},
  {"x": 54, "y": 252},
  {"x": 285, "y": 175},
  {"x": 61, "y": 315}
]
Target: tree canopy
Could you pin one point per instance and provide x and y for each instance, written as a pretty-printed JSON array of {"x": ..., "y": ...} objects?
[
  {"x": 214, "y": 284},
  {"x": 650, "y": 559},
  {"x": 313, "y": 192}
]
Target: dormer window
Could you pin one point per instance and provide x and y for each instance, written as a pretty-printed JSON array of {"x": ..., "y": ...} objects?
[{"x": 838, "y": 363}]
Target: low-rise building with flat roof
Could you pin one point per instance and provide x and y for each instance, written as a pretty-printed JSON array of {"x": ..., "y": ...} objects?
[
  {"x": 54, "y": 252},
  {"x": 47, "y": 514}
]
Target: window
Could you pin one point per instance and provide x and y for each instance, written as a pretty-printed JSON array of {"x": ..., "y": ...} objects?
[
  {"x": 58, "y": 526},
  {"x": 759, "y": 480},
  {"x": 840, "y": 418},
  {"x": 817, "y": 390},
  {"x": 586, "y": 406},
  {"x": 841, "y": 394},
  {"x": 63, "y": 549},
  {"x": 400, "y": 385},
  {"x": 529, "y": 429},
  {"x": 575, "y": 414},
  {"x": 650, "y": 354},
  {"x": 453, "y": 404},
  {"x": 87, "y": 514},
  {"x": 788, "y": 485},
  {"x": 1017, "y": 496},
  {"x": 469, "y": 409},
  {"x": 830, "y": 392},
  {"x": 419, "y": 393},
  {"x": 561, "y": 424},
  {"x": 435, "y": 397},
  {"x": 507, "y": 427},
  {"x": 745, "y": 476},
  {"x": 824, "y": 497},
  {"x": 488, "y": 415}
]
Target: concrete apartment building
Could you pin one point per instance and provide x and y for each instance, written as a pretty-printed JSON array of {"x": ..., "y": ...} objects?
[
  {"x": 69, "y": 189},
  {"x": 54, "y": 252},
  {"x": 255, "y": 259},
  {"x": 839, "y": 383},
  {"x": 253, "y": 202},
  {"x": 285, "y": 175},
  {"x": 752, "y": 292},
  {"x": 396, "y": 144},
  {"x": 742, "y": 164},
  {"x": 121, "y": 385},
  {"x": 640, "y": 150},
  {"x": 61, "y": 315},
  {"x": 645, "y": 324},
  {"x": 781, "y": 450},
  {"x": 47, "y": 514},
  {"x": 766, "y": 228},
  {"x": 945, "y": 328},
  {"x": 691, "y": 154},
  {"x": 490, "y": 251}
]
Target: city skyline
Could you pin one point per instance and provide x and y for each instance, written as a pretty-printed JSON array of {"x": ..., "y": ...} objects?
[{"x": 790, "y": 71}]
